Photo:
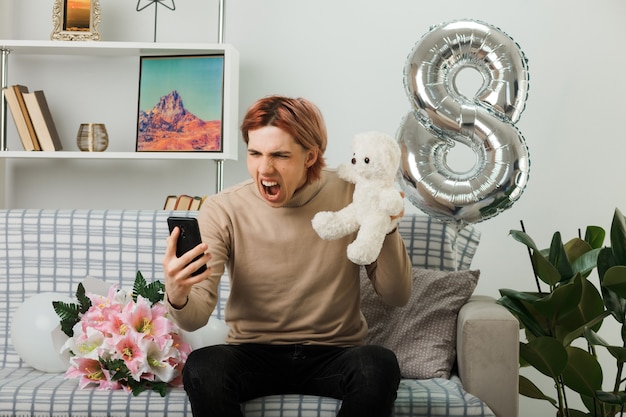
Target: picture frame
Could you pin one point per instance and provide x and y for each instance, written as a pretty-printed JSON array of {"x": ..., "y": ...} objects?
[
  {"x": 76, "y": 20},
  {"x": 181, "y": 103}
]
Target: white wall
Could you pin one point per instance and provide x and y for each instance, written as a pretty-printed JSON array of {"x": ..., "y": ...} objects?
[{"x": 348, "y": 56}]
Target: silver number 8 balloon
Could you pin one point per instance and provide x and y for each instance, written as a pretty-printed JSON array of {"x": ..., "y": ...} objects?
[{"x": 442, "y": 117}]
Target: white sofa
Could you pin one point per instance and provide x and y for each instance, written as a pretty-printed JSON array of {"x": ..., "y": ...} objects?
[{"x": 54, "y": 250}]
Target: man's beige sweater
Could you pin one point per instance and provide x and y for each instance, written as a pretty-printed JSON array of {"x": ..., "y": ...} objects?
[{"x": 288, "y": 286}]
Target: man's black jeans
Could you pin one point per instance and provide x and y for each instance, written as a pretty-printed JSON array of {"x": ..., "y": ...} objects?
[{"x": 219, "y": 378}]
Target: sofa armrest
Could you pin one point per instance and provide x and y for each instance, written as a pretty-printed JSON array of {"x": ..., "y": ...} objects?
[{"x": 488, "y": 354}]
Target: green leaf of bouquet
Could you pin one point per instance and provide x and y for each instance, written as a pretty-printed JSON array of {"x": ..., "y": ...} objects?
[
  {"x": 83, "y": 301},
  {"x": 139, "y": 286},
  {"x": 160, "y": 387},
  {"x": 137, "y": 387},
  {"x": 118, "y": 369},
  {"x": 69, "y": 315},
  {"x": 583, "y": 373},
  {"x": 545, "y": 354},
  {"x": 153, "y": 292},
  {"x": 528, "y": 389},
  {"x": 65, "y": 310}
]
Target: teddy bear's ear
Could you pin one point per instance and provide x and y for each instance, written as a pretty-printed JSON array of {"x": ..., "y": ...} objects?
[{"x": 393, "y": 151}]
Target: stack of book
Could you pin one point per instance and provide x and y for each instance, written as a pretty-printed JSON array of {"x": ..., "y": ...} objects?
[
  {"x": 183, "y": 202},
  {"x": 32, "y": 117}
]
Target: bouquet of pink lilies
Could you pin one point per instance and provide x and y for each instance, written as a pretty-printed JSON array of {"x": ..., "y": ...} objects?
[{"x": 121, "y": 340}]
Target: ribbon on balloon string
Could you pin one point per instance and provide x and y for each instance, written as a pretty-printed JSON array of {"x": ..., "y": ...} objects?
[{"x": 443, "y": 118}]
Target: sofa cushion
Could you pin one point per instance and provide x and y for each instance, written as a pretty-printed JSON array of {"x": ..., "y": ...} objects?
[
  {"x": 27, "y": 392},
  {"x": 416, "y": 398},
  {"x": 423, "y": 332}
]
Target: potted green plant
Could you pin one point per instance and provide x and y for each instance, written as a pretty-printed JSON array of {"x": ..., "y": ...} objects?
[{"x": 567, "y": 306}]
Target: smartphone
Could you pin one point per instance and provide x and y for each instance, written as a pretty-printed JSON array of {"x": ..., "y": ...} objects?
[{"x": 188, "y": 238}]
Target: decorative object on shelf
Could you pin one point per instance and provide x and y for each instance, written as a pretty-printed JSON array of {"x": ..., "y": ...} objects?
[
  {"x": 92, "y": 137},
  {"x": 143, "y": 4},
  {"x": 42, "y": 120},
  {"x": 183, "y": 202},
  {"x": 76, "y": 20},
  {"x": 484, "y": 123},
  {"x": 123, "y": 339},
  {"x": 14, "y": 96},
  {"x": 181, "y": 101}
]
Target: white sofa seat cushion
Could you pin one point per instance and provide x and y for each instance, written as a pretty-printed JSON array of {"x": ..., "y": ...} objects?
[{"x": 27, "y": 392}]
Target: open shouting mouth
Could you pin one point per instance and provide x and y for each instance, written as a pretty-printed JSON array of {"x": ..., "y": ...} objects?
[{"x": 270, "y": 190}]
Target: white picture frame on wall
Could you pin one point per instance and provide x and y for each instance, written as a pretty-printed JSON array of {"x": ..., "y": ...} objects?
[
  {"x": 76, "y": 20},
  {"x": 192, "y": 84}
]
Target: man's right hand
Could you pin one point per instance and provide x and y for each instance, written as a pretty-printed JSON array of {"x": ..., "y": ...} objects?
[{"x": 178, "y": 278}]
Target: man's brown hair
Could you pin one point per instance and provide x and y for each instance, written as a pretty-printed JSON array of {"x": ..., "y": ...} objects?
[{"x": 296, "y": 116}]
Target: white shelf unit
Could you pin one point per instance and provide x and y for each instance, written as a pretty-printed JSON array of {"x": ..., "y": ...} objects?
[{"x": 33, "y": 50}]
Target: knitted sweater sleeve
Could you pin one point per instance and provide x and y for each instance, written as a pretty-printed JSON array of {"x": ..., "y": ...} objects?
[
  {"x": 391, "y": 273},
  {"x": 204, "y": 296}
]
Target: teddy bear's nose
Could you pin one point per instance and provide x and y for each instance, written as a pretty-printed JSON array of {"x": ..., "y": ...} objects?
[{"x": 353, "y": 161}]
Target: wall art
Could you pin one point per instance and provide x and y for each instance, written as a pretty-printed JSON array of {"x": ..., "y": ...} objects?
[{"x": 181, "y": 103}]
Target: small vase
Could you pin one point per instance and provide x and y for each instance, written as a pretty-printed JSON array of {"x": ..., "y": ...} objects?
[{"x": 92, "y": 137}]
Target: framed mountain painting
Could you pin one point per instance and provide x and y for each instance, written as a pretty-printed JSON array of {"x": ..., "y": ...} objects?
[{"x": 181, "y": 101}]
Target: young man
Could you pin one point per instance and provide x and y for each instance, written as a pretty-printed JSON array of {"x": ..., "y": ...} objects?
[{"x": 294, "y": 304}]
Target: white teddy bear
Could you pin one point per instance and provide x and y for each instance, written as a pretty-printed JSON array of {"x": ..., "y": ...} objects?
[{"x": 375, "y": 200}]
